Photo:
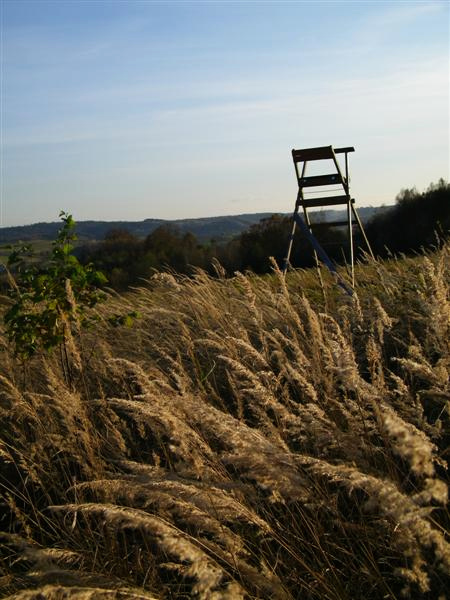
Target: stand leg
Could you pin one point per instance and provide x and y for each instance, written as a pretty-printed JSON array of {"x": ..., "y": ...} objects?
[
  {"x": 350, "y": 239},
  {"x": 363, "y": 233},
  {"x": 291, "y": 239}
]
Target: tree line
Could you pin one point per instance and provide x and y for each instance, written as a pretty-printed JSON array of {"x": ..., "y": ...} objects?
[
  {"x": 125, "y": 259},
  {"x": 414, "y": 222}
]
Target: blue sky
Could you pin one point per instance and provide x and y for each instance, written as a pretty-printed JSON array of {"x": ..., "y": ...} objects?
[{"x": 131, "y": 110}]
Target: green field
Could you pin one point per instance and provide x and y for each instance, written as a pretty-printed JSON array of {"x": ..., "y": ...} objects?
[
  {"x": 252, "y": 437},
  {"x": 41, "y": 250}
]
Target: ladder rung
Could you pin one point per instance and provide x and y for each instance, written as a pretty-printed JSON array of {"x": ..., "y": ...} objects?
[
  {"x": 330, "y": 179},
  {"x": 320, "y": 153},
  {"x": 321, "y": 191},
  {"x": 326, "y": 201}
]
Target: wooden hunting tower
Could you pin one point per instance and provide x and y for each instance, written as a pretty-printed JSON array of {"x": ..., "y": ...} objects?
[{"x": 334, "y": 190}]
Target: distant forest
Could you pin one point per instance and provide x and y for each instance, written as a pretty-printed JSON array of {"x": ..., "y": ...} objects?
[{"x": 416, "y": 221}]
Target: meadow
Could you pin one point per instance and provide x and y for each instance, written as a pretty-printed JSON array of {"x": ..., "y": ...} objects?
[{"x": 254, "y": 437}]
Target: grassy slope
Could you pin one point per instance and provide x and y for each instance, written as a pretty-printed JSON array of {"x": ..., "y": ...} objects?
[
  {"x": 41, "y": 249},
  {"x": 243, "y": 440}
]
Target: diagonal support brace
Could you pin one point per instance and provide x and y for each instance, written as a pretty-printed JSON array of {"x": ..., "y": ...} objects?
[{"x": 322, "y": 254}]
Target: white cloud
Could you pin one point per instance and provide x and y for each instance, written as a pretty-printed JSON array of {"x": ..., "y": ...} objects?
[{"x": 389, "y": 18}]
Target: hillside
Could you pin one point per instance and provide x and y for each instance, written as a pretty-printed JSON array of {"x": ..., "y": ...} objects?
[
  {"x": 219, "y": 228},
  {"x": 245, "y": 438}
]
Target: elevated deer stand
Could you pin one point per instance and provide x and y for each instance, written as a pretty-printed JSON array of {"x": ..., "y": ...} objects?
[{"x": 328, "y": 184}]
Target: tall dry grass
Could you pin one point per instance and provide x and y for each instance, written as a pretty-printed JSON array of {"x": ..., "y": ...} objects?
[{"x": 247, "y": 438}]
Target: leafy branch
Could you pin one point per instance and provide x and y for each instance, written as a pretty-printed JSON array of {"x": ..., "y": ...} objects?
[{"x": 50, "y": 298}]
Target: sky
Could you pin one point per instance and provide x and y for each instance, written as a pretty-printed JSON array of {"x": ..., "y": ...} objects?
[{"x": 129, "y": 110}]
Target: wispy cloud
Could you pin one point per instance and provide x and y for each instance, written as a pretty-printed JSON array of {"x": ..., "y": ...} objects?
[
  {"x": 405, "y": 93},
  {"x": 390, "y": 18}
]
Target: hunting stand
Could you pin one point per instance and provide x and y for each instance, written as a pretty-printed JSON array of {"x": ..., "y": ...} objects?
[{"x": 327, "y": 183}]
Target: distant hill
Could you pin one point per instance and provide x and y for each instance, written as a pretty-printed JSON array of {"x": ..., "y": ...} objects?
[
  {"x": 206, "y": 228},
  {"x": 203, "y": 228}
]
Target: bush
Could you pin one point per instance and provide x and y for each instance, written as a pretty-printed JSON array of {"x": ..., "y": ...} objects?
[{"x": 47, "y": 300}]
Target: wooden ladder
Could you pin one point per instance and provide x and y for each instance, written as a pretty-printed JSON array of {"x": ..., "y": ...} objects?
[{"x": 308, "y": 186}]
